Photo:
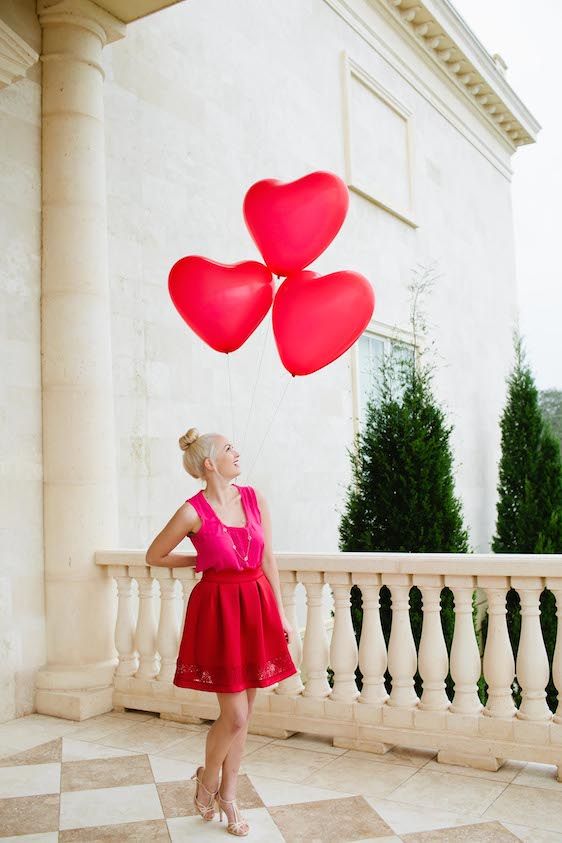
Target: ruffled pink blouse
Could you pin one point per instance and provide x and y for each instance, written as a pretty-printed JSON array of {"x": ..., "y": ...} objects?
[{"x": 213, "y": 541}]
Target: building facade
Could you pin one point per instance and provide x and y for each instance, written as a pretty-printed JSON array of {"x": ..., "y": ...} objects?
[{"x": 129, "y": 144}]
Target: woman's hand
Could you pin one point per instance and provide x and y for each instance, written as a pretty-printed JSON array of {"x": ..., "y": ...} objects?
[{"x": 288, "y": 629}]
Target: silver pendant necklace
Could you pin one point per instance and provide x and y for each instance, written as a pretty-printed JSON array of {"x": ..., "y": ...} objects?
[{"x": 244, "y": 558}]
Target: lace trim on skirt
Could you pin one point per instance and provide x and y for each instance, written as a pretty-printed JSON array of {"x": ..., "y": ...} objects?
[{"x": 235, "y": 674}]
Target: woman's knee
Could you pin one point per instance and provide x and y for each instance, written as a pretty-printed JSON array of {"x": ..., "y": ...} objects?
[{"x": 234, "y": 713}]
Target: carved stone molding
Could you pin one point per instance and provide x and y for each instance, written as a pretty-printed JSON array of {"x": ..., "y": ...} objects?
[
  {"x": 15, "y": 56},
  {"x": 481, "y": 76}
]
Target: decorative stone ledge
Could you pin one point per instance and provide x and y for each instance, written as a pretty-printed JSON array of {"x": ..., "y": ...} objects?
[
  {"x": 15, "y": 56},
  {"x": 447, "y": 41}
]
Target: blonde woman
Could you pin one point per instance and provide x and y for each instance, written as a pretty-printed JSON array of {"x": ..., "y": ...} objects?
[{"x": 235, "y": 635}]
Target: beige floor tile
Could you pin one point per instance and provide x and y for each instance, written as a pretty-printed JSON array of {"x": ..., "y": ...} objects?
[
  {"x": 505, "y": 774},
  {"x": 99, "y": 727},
  {"x": 392, "y": 839},
  {"x": 171, "y": 769},
  {"x": 106, "y": 772},
  {"x": 149, "y": 736},
  {"x": 192, "y": 752},
  {"x": 73, "y": 750},
  {"x": 109, "y": 806},
  {"x": 155, "y": 831},
  {"x": 41, "y": 754},
  {"x": 21, "y": 734},
  {"x": 402, "y": 755},
  {"x": 31, "y": 780},
  {"x": 135, "y": 715},
  {"x": 262, "y": 829},
  {"x": 491, "y": 832},
  {"x": 29, "y": 814},
  {"x": 452, "y": 793},
  {"x": 264, "y": 739},
  {"x": 330, "y": 821},
  {"x": 278, "y": 792},
  {"x": 176, "y": 798},
  {"x": 42, "y": 837},
  {"x": 317, "y": 743},
  {"x": 533, "y": 835},
  {"x": 6, "y": 750},
  {"x": 283, "y": 762},
  {"x": 535, "y": 806},
  {"x": 405, "y": 819},
  {"x": 539, "y": 775},
  {"x": 360, "y": 775}
]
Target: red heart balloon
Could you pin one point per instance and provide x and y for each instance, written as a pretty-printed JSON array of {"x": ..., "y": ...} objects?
[
  {"x": 317, "y": 318},
  {"x": 291, "y": 224},
  {"x": 223, "y": 303}
]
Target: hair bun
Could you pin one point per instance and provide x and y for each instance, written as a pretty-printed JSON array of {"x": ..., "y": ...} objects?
[{"x": 189, "y": 437}]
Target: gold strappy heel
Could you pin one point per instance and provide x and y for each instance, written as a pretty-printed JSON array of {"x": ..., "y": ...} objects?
[
  {"x": 206, "y": 811},
  {"x": 239, "y": 826}
]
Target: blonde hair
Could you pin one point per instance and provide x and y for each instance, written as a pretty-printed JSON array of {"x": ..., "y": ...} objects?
[{"x": 196, "y": 449}]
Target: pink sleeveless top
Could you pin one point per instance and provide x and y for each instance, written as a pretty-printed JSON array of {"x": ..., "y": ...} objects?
[{"x": 213, "y": 541}]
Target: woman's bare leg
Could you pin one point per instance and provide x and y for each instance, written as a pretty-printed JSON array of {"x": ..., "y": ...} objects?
[
  {"x": 231, "y": 763},
  {"x": 228, "y": 726}
]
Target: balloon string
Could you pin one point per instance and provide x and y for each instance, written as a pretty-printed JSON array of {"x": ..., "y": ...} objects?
[
  {"x": 255, "y": 385},
  {"x": 291, "y": 377},
  {"x": 230, "y": 391}
]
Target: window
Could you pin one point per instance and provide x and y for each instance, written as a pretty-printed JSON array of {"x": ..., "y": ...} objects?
[{"x": 371, "y": 351}]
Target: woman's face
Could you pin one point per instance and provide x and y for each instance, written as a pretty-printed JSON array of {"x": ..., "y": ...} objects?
[{"x": 226, "y": 458}]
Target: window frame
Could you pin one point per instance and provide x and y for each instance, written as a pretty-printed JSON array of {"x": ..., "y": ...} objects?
[{"x": 387, "y": 333}]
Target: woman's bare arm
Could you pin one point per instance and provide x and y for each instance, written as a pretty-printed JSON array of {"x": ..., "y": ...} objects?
[{"x": 177, "y": 528}]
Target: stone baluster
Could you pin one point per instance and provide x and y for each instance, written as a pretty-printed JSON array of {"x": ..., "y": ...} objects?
[
  {"x": 315, "y": 648},
  {"x": 188, "y": 581},
  {"x": 167, "y": 638},
  {"x": 343, "y": 646},
  {"x": 532, "y": 661},
  {"x": 499, "y": 664},
  {"x": 555, "y": 585},
  {"x": 372, "y": 648},
  {"x": 433, "y": 661},
  {"x": 145, "y": 635},
  {"x": 292, "y": 684},
  {"x": 465, "y": 657},
  {"x": 125, "y": 622},
  {"x": 402, "y": 658}
]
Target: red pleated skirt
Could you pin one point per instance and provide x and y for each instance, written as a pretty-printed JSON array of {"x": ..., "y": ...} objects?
[{"x": 232, "y": 636}]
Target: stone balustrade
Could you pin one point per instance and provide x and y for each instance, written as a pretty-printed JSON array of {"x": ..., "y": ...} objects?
[{"x": 461, "y": 730}]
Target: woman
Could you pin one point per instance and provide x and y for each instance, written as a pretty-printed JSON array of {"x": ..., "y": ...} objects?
[{"x": 235, "y": 636}]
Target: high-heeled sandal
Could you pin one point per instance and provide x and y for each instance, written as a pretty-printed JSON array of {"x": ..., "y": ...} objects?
[
  {"x": 239, "y": 826},
  {"x": 206, "y": 811}
]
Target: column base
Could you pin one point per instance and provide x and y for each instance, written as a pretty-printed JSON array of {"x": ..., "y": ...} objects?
[
  {"x": 376, "y": 747},
  {"x": 477, "y": 762},
  {"x": 74, "y": 705}
]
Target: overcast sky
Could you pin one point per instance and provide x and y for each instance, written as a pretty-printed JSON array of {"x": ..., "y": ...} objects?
[{"x": 527, "y": 36}]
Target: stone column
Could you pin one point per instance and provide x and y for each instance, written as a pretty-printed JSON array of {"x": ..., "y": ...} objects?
[{"x": 80, "y": 495}]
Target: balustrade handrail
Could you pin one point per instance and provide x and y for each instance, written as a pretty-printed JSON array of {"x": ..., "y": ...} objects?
[
  {"x": 545, "y": 565},
  {"x": 387, "y": 710}
]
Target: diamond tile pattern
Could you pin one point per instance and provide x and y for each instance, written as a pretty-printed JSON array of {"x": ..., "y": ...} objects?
[{"x": 126, "y": 777}]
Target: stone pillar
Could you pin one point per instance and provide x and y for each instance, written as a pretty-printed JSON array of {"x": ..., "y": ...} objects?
[{"x": 79, "y": 459}]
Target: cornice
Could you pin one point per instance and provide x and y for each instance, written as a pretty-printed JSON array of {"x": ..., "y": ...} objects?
[
  {"x": 15, "y": 56},
  {"x": 447, "y": 41}
]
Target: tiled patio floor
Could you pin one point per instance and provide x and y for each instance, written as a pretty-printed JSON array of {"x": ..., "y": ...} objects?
[{"x": 126, "y": 776}]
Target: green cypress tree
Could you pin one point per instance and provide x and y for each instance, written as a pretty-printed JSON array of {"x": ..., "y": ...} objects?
[
  {"x": 529, "y": 507},
  {"x": 402, "y": 493}
]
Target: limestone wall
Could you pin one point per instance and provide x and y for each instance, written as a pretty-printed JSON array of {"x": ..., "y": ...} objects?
[
  {"x": 22, "y": 610},
  {"x": 201, "y": 101}
]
